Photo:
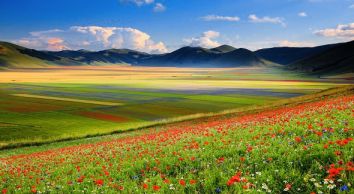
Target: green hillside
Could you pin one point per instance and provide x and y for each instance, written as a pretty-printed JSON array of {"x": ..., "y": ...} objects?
[{"x": 12, "y": 55}]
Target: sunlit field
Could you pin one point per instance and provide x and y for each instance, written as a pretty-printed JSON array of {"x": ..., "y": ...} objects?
[{"x": 67, "y": 102}]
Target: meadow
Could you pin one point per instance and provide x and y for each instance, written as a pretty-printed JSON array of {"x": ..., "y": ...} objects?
[
  {"x": 56, "y": 103},
  {"x": 300, "y": 147}
]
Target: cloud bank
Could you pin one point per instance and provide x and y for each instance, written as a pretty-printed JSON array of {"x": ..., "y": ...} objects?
[
  {"x": 266, "y": 19},
  {"x": 340, "y": 31},
  {"x": 159, "y": 7},
  {"x": 302, "y": 14},
  {"x": 287, "y": 43},
  {"x": 92, "y": 38},
  {"x": 220, "y": 18},
  {"x": 138, "y": 2},
  {"x": 207, "y": 40}
]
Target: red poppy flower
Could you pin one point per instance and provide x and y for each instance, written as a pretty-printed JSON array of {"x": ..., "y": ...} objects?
[
  {"x": 182, "y": 182},
  {"x": 298, "y": 139},
  {"x": 156, "y": 187},
  {"x": 99, "y": 182},
  {"x": 145, "y": 186}
]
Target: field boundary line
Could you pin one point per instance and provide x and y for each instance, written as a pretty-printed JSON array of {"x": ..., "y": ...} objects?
[{"x": 69, "y": 99}]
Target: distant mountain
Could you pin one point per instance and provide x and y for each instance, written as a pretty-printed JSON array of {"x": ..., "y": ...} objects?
[
  {"x": 288, "y": 55},
  {"x": 224, "y": 56},
  {"x": 327, "y": 59},
  {"x": 12, "y": 55},
  {"x": 105, "y": 57},
  {"x": 339, "y": 58},
  {"x": 223, "y": 49}
]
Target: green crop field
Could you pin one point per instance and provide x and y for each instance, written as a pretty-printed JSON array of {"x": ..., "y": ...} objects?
[{"x": 40, "y": 105}]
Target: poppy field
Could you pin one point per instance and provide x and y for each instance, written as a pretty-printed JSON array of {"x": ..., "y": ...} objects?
[{"x": 305, "y": 148}]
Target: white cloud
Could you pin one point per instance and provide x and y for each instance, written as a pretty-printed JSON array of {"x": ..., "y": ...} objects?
[
  {"x": 351, "y": 6},
  {"x": 341, "y": 31},
  {"x": 40, "y": 33},
  {"x": 138, "y": 2},
  {"x": 287, "y": 43},
  {"x": 205, "y": 40},
  {"x": 276, "y": 20},
  {"x": 302, "y": 14},
  {"x": 159, "y": 7},
  {"x": 93, "y": 38},
  {"x": 220, "y": 18}
]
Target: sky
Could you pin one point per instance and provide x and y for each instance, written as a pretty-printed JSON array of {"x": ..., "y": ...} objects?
[{"x": 159, "y": 26}]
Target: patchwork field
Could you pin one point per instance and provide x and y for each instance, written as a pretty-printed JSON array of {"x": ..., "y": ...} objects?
[{"x": 38, "y": 105}]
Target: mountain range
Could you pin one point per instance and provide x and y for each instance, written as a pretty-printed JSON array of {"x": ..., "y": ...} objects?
[{"x": 326, "y": 59}]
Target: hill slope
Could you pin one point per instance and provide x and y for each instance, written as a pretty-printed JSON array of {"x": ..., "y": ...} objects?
[
  {"x": 288, "y": 55},
  {"x": 337, "y": 59},
  {"x": 12, "y": 55},
  {"x": 105, "y": 57}
]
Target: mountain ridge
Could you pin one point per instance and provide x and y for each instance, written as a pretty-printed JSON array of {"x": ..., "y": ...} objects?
[
  {"x": 223, "y": 56},
  {"x": 325, "y": 59}
]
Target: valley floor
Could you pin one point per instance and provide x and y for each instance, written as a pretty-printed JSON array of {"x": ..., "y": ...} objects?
[{"x": 55, "y": 103}]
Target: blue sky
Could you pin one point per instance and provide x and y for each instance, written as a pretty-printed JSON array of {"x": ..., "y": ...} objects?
[{"x": 164, "y": 25}]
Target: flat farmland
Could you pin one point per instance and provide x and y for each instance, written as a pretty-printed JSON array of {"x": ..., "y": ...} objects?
[{"x": 49, "y": 104}]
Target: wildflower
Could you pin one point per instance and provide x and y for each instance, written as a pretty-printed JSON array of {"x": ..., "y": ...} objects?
[
  {"x": 249, "y": 148},
  {"x": 265, "y": 186},
  {"x": 344, "y": 188},
  {"x": 145, "y": 186},
  {"x": 99, "y": 182},
  {"x": 80, "y": 179},
  {"x": 220, "y": 160},
  {"x": 192, "y": 182},
  {"x": 182, "y": 182},
  {"x": 4, "y": 191},
  {"x": 338, "y": 153},
  {"x": 156, "y": 187},
  {"x": 233, "y": 179},
  {"x": 287, "y": 187},
  {"x": 331, "y": 186},
  {"x": 218, "y": 190},
  {"x": 298, "y": 139},
  {"x": 33, "y": 189},
  {"x": 333, "y": 171}
]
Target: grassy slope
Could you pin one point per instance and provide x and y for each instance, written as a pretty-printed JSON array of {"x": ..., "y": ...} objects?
[
  {"x": 11, "y": 57},
  {"x": 281, "y": 147}
]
